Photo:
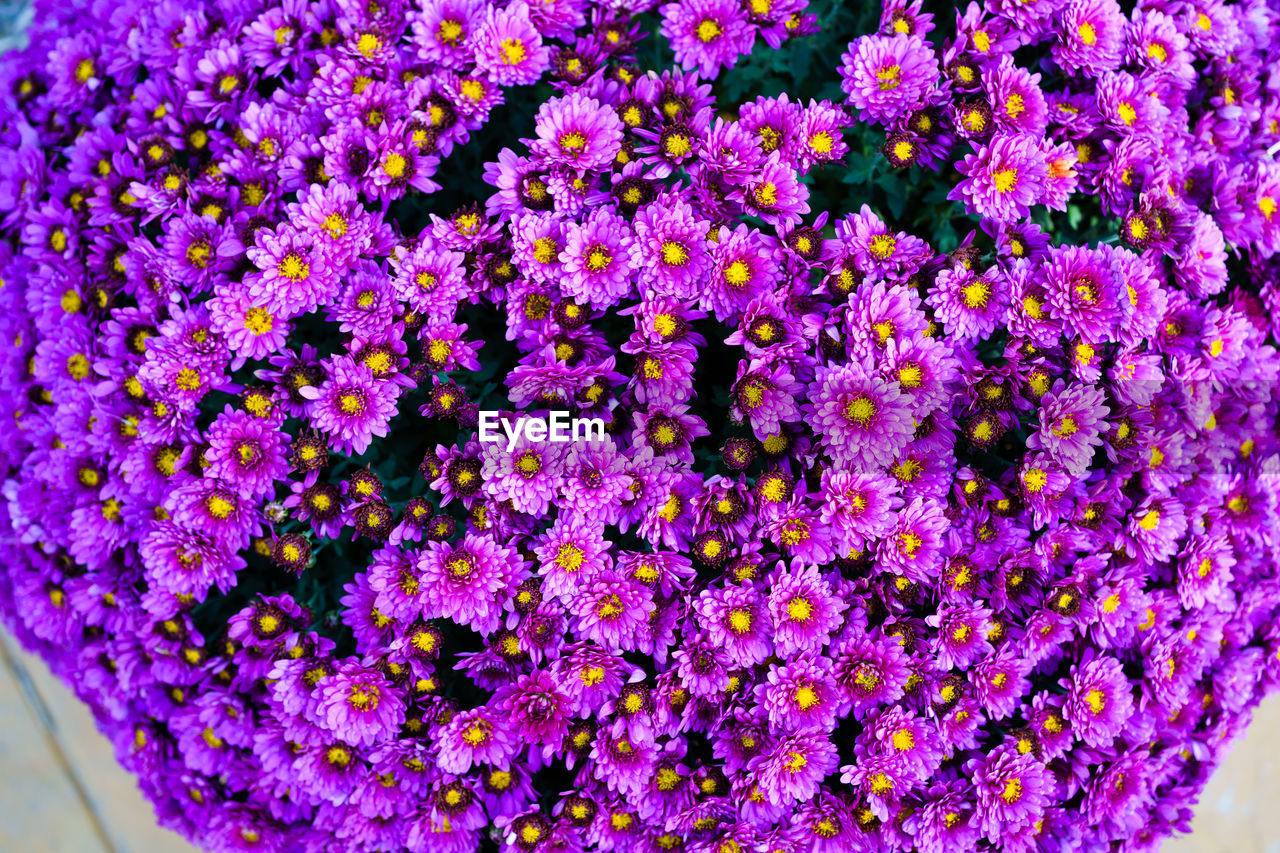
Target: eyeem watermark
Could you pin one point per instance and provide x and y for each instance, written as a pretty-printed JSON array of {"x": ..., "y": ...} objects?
[{"x": 559, "y": 428}]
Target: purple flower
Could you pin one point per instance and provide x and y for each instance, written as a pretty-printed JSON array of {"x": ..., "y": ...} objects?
[
  {"x": 736, "y": 620},
  {"x": 1071, "y": 422},
  {"x": 1083, "y": 292},
  {"x": 1099, "y": 701},
  {"x": 247, "y": 452},
  {"x": 475, "y": 737},
  {"x": 509, "y": 47},
  {"x": 468, "y": 582},
  {"x": 861, "y": 419},
  {"x": 670, "y": 245},
  {"x": 1091, "y": 36},
  {"x": 800, "y": 694},
  {"x": 707, "y": 35},
  {"x": 791, "y": 769},
  {"x": 774, "y": 193},
  {"x": 599, "y": 259},
  {"x": 612, "y": 612},
  {"x": 1012, "y": 791},
  {"x": 294, "y": 277},
  {"x": 804, "y": 610},
  {"x": 858, "y": 505},
  {"x": 358, "y": 705},
  {"x": 968, "y": 302},
  {"x": 351, "y": 405},
  {"x": 888, "y": 76},
  {"x": 578, "y": 131},
  {"x": 1003, "y": 179}
]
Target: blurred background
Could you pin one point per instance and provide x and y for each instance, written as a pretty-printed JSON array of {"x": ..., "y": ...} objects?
[{"x": 61, "y": 790}]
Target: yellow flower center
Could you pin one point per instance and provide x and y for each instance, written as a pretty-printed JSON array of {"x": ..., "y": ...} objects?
[
  {"x": 293, "y": 267},
  {"x": 513, "y": 51},
  {"x": 882, "y": 245},
  {"x": 976, "y": 293},
  {"x": 395, "y": 165},
  {"x": 888, "y": 77},
  {"x": 1005, "y": 180},
  {"x": 799, "y": 609},
  {"x": 674, "y": 254},
  {"x": 860, "y": 410},
  {"x": 598, "y": 259},
  {"x": 258, "y": 320}
]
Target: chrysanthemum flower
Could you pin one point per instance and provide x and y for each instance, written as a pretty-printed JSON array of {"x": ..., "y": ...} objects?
[
  {"x": 599, "y": 259},
  {"x": 246, "y": 452},
  {"x": 1099, "y": 701},
  {"x": 1012, "y": 791},
  {"x": 861, "y": 419},
  {"x": 1003, "y": 179},
  {"x": 351, "y": 405},
  {"x": 1091, "y": 37},
  {"x": 804, "y": 610},
  {"x": 428, "y": 277},
  {"x": 578, "y": 131},
  {"x": 707, "y": 35},
  {"x": 743, "y": 267},
  {"x": 765, "y": 396},
  {"x": 250, "y": 329},
  {"x": 1017, "y": 101},
  {"x": 509, "y": 47},
  {"x": 736, "y": 620},
  {"x": 612, "y": 611},
  {"x": 970, "y": 303},
  {"x": 468, "y": 582},
  {"x": 800, "y": 694},
  {"x": 859, "y": 506},
  {"x": 1071, "y": 422},
  {"x": 476, "y": 737},
  {"x": 670, "y": 245},
  {"x": 888, "y": 76},
  {"x": 294, "y": 276},
  {"x": 962, "y": 634},
  {"x": 358, "y": 705},
  {"x": 790, "y": 770},
  {"x": 536, "y": 706},
  {"x": 774, "y": 193},
  {"x": 1082, "y": 289},
  {"x": 572, "y": 555}
]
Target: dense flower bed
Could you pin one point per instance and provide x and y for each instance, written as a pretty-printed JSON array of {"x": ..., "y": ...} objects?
[{"x": 948, "y": 523}]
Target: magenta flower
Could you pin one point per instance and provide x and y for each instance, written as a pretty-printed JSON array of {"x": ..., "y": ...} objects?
[
  {"x": 351, "y": 405},
  {"x": 247, "y": 452},
  {"x": 468, "y": 582},
  {"x": 358, "y": 705},
  {"x": 791, "y": 769},
  {"x": 294, "y": 277},
  {"x": 509, "y": 47},
  {"x": 578, "y": 131},
  {"x": 1003, "y": 179},
  {"x": 707, "y": 35},
  {"x": 888, "y": 76},
  {"x": 861, "y": 419},
  {"x": 1099, "y": 701},
  {"x": 471, "y": 738}
]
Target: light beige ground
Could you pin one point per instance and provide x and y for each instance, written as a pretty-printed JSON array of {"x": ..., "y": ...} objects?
[{"x": 62, "y": 792}]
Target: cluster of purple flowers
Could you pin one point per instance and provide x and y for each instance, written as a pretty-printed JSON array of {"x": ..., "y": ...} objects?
[{"x": 966, "y": 550}]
